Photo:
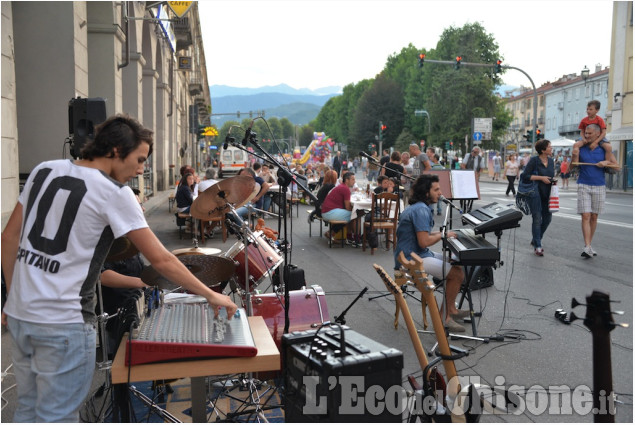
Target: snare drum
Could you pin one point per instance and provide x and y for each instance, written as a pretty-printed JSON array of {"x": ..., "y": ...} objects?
[
  {"x": 308, "y": 310},
  {"x": 263, "y": 261}
]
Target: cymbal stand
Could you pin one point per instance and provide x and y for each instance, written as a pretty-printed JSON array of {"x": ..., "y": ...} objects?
[{"x": 252, "y": 384}]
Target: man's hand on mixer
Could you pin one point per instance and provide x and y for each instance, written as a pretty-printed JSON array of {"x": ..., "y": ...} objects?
[{"x": 219, "y": 300}]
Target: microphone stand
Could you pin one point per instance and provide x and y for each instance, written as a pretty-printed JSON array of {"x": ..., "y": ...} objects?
[
  {"x": 285, "y": 178},
  {"x": 340, "y": 319}
]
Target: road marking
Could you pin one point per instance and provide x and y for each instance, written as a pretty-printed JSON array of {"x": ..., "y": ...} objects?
[{"x": 577, "y": 217}]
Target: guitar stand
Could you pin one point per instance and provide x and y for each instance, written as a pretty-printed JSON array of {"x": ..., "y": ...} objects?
[{"x": 404, "y": 290}]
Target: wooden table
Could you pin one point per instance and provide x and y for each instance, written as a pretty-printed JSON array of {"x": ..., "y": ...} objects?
[{"x": 268, "y": 358}]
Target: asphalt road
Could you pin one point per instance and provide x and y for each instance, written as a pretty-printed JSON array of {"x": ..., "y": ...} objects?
[{"x": 549, "y": 363}]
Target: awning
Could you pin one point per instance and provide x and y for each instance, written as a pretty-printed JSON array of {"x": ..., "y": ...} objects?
[{"x": 623, "y": 133}]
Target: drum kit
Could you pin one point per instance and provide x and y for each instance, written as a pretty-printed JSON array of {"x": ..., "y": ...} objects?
[{"x": 252, "y": 260}]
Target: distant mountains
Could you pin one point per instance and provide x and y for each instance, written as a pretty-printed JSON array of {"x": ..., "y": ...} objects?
[{"x": 299, "y": 106}]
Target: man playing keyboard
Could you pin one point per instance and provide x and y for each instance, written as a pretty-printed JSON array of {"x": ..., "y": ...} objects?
[{"x": 414, "y": 234}]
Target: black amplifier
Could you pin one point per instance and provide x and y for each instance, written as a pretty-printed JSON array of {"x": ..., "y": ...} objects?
[{"x": 347, "y": 377}]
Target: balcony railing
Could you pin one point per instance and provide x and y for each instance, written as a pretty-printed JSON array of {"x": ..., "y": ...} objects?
[{"x": 569, "y": 128}]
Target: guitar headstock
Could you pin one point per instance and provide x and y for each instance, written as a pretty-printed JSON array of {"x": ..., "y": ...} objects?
[
  {"x": 415, "y": 269},
  {"x": 599, "y": 317},
  {"x": 390, "y": 284}
]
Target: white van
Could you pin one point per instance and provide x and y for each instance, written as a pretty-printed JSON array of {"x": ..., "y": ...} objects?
[{"x": 232, "y": 160}]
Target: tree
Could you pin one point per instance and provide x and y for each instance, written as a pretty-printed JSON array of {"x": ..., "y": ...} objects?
[
  {"x": 453, "y": 97},
  {"x": 383, "y": 101}
]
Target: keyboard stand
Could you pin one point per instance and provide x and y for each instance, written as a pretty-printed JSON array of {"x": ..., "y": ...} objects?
[{"x": 466, "y": 293}]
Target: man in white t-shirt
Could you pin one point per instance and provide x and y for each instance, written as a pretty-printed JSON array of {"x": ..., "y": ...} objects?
[{"x": 53, "y": 248}]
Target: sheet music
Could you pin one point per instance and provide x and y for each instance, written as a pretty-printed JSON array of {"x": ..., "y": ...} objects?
[{"x": 463, "y": 184}]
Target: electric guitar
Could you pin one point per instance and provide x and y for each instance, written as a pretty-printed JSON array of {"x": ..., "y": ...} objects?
[{"x": 433, "y": 381}]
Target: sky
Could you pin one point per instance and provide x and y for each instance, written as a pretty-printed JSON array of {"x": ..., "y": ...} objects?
[{"x": 314, "y": 44}]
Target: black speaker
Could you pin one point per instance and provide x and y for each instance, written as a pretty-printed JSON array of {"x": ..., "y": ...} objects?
[{"x": 84, "y": 114}]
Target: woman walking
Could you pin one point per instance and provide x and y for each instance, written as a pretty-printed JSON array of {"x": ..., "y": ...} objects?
[
  {"x": 540, "y": 169},
  {"x": 511, "y": 171}
]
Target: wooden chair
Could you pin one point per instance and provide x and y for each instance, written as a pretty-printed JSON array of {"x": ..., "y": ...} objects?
[
  {"x": 171, "y": 202},
  {"x": 329, "y": 226},
  {"x": 218, "y": 221},
  {"x": 384, "y": 214},
  {"x": 315, "y": 217}
]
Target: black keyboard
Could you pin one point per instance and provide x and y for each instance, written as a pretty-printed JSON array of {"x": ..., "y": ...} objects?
[
  {"x": 472, "y": 250},
  {"x": 492, "y": 217}
]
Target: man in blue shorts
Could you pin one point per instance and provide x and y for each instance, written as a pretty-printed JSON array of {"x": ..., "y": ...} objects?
[{"x": 591, "y": 186}]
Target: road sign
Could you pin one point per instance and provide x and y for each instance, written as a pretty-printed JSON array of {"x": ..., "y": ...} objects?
[
  {"x": 477, "y": 136},
  {"x": 180, "y": 8},
  {"x": 483, "y": 126}
]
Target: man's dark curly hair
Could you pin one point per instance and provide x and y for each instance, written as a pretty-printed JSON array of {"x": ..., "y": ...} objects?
[
  {"x": 421, "y": 188},
  {"x": 120, "y": 131}
]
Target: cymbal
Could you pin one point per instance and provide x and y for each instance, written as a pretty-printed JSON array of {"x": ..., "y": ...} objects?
[
  {"x": 196, "y": 251},
  {"x": 121, "y": 249},
  {"x": 209, "y": 269},
  {"x": 212, "y": 202}
]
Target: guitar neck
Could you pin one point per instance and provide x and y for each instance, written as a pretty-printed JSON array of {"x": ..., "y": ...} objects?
[{"x": 410, "y": 325}]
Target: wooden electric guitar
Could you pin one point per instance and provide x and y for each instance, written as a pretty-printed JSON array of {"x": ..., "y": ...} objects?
[{"x": 433, "y": 380}]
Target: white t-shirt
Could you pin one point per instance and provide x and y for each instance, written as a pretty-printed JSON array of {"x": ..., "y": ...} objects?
[
  {"x": 70, "y": 216},
  {"x": 205, "y": 184}
]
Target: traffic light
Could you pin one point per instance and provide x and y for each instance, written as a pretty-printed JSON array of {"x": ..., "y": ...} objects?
[
  {"x": 451, "y": 144},
  {"x": 539, "y": 135},
  {"x": 498, "y": 68},
  {"x": 422, "y": 58},
  {"x": 457, "y": 65},
  {"x": 382, "y": 131}
]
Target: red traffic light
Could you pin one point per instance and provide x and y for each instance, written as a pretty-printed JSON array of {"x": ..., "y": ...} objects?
[
  {"x": 383, "y": 127},
  {"x": 422, "y": 56}
]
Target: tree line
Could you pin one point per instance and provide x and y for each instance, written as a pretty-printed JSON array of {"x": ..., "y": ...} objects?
[{"x": 452, "y": 98}]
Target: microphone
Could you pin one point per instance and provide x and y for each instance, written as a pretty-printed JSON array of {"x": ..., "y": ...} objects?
[
  {"x": 247, "y": 134},
  {"x": 447, "y": 201},
  {"x": 228, "y": 140},
  {"x": 365, "y": 155}
]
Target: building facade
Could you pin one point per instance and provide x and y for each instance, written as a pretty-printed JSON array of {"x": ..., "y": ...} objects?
[
  {"x": 566, "y": 102},
  {"x": 139, "y": 56}
]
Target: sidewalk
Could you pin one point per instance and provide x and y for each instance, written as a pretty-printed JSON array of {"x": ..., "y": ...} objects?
[{"x": 573, "y": 185}]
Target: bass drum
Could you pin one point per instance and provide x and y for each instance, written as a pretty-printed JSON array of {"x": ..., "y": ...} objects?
[
  {"x": 308, "y": 310},
  {"x": 263, "y": 261}
]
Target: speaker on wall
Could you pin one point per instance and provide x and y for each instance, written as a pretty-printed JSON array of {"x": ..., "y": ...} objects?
[{"x": 84, "y": 114}]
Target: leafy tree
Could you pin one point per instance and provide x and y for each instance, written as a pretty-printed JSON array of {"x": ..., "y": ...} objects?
[
  {"x": 402, "y": 143},
  {"x": 288, "y": 129},
  {"x": 383, "y": 101},
  {"x": 454, "y": 97}
]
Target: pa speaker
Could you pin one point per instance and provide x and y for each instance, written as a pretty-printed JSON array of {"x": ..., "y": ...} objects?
[{"x": 84, "y": 114}]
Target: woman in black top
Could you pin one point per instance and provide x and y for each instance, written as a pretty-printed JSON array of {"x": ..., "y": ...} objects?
[
  {"x": 185, "y": 193},
  {"x": 540, "y": 169},
  {"x": 393, "y": 166}
]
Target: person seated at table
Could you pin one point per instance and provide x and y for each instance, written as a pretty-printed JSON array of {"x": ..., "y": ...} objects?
[
  {"x": 414, "y": 234},
  {"x": 183, "y": 171},
  {"x": 185, "y": 193},
  {"x": 337, "y": 204},
  {"x": 257, "y": 201},
  {"x": 210, "y": 180},
  {"x": 382, "y": 185},
  {"x": 330, "y": 178}
]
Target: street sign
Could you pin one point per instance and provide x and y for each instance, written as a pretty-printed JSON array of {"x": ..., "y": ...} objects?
[
  {"x": 477, "y": 136},
  {"x": 483, "y": 126},
  {"x": 180, "y": 8}
]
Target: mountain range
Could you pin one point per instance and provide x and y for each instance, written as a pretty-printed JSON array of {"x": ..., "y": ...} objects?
[{"x": 299, "y": 106}]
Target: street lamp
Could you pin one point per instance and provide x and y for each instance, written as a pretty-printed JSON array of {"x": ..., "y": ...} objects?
[{"x": 585, "y": 74}]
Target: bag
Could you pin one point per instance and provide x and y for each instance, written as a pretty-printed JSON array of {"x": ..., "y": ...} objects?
[
  {"x": 522, "y": 202},
  {"x": 373, "y": 239},
  {"x": 554, "y": 199}
]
